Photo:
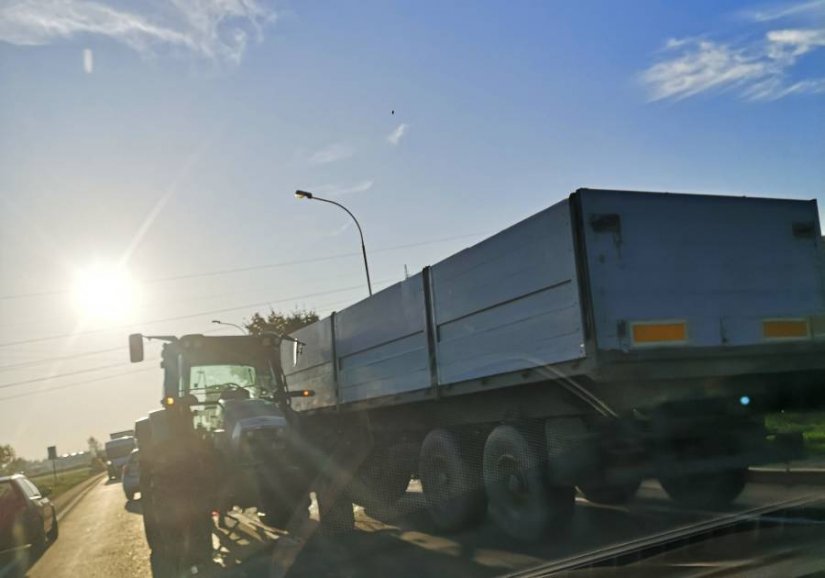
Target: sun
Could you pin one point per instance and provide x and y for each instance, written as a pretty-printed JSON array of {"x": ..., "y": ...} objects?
[{"x": 104, "y": 293}]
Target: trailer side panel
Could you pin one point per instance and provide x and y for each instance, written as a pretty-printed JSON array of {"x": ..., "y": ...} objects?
[
  {"x": 686, "y": 271},
  {"x": 511, "y": 302}
]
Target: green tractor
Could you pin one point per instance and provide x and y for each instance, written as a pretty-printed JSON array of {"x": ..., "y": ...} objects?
[{"x": 227, "y": 436}]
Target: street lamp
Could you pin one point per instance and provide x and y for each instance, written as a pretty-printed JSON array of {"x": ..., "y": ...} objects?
[
  {"x": 216, "y": 322},
  {"x": 310, "y": 196}
]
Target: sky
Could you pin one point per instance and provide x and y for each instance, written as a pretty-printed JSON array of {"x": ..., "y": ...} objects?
[{"x": 165, "y": 140}]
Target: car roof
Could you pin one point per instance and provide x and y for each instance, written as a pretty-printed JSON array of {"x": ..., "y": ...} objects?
[{"x": 11, "y": 477}]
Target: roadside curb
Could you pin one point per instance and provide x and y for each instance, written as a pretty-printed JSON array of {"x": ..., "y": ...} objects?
[
  {"x": 63, "y": 507},
  {"x": 787, "y": 477}
]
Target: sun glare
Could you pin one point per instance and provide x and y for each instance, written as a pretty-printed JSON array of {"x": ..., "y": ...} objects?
[{"x": 105, "y": 293}]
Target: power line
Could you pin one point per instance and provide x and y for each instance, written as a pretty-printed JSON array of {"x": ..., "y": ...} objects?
[
  {"x": 176, "y": 318},
  {"x": 86, "y": 381},
  {"x": 34, "y": 362},
  {"x": 84, "y": 354},
  {"x": 253, "y": 267},
  {"x": 76, "y": 383},
  {"x": 44, "y": 361},
  {"x": 59, "y": 375}
]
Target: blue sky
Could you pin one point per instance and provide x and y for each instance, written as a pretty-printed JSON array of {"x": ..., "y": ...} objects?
[{"x": 170, "y": 136}]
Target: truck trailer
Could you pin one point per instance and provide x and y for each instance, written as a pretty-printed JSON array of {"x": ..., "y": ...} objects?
[
  {"x": 611, "y": 337},
  {"x": 118, "y": 449}
]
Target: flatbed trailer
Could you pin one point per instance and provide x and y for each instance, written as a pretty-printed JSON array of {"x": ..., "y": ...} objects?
[
  {"x": 640, "y": 298},
  {"x": 628, "y": 334}
]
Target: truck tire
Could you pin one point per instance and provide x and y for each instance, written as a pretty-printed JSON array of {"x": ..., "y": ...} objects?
[
  {"x": 522, "y": 501},
  {"x": 610, "y": 494},
  {"x": 715, "y": 479},
  {"x": 706, "y": 490},
  {"x": 450, "y": 474}
]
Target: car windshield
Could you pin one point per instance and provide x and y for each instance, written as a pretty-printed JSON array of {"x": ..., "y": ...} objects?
[{"x": 414, "y": 288}]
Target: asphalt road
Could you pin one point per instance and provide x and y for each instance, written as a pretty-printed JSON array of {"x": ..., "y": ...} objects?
[
  {"x": 103, "y": 537},
  {"x": 405, "y": 546}
]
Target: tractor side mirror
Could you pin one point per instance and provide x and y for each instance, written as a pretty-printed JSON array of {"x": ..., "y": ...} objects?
[{"x": 136, "y": 347}]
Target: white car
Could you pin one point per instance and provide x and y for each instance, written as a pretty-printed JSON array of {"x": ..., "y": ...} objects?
[{"x": 131, "y": 475}]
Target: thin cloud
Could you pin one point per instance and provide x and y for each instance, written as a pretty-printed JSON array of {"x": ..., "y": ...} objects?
[
  {"x": 395, "y": 136},
  {"x": 758, "y": 70},
  {"x": 782, "y": 12},
  {"x": 218, "y": 30},
  {"x": 341, "y": 190},
  {"x": 88, "y": 61},
  {"x": 331, "y": 153}
]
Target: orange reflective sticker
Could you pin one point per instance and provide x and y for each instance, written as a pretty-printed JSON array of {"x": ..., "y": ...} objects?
[
  {"x": 785, "y": 328},
  {"x": 659, "y": 332}
]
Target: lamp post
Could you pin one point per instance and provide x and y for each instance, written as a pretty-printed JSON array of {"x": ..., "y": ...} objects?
[
  {"x": 216, "y": 322},
  {"x": 310, "y": 196}
]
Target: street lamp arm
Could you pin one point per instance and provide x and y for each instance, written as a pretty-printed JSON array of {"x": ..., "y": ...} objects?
[
  {"x": 357, "y": 224},
  {"x": 304, "y": 194}
]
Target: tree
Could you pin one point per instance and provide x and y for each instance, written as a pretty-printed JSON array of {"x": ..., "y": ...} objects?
[
  {"x": 280, "y": 323},
  {"x": 7, "y": 456},
  {"x": 10, "y": 463},
  {"x": 94, "y": 446}
]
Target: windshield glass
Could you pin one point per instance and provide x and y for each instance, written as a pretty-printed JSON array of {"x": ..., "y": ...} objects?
[{"x": 206, "y": 382}]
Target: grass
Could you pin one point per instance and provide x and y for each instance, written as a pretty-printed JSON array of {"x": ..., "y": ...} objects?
[
  {"x": 811, "y": 424},
  {"x": 65, "y": 480}
]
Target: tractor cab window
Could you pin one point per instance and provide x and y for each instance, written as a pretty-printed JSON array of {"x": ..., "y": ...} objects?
[{"x": 210, "y": 383}]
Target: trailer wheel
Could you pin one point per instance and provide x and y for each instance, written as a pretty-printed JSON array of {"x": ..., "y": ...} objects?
[
  {"x": 522, "y": 501},
  {"x": 706, "y": 490},
  {"x": 450, "y": 475},
  {"x": 610, "y": 494}
]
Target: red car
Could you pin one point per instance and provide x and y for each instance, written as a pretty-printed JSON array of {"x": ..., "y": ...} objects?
[{"x": 27, "y": 516}]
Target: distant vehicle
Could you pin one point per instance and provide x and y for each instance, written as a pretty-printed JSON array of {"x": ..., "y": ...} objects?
[
  {"x": 27, "y": 516},
  {"x": 117, "y": 454},
  {"x": 131, "y": 475}
]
